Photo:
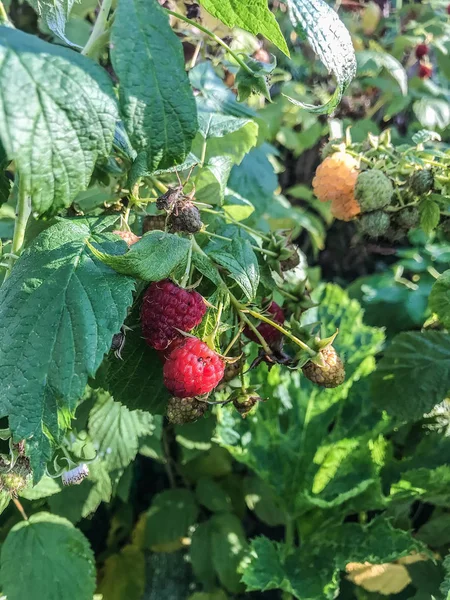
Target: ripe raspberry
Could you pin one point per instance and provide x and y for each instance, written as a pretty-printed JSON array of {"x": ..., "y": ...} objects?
[
  {"x": 421, "y": 182},
  {"x": 425, "y": 71},
  {"x": 128, "y": 236},
  {"x": 331, "y": 375},
  {"x": 192, "y": 369},
  {"x": 154, "y": 223},
  {"x": 374, "y": 224},
  {"x": 373, "y": 190},
  {"x": 448, "y": 9},
  {"x": 185, "y": 410},
  {"x": 269, "y": 333},
  {"x": 185, "y": 218},
  {"x": 421, "y": 51},
  {"x": 335, "y": 181},
  {"x": 166, "y": 308}
]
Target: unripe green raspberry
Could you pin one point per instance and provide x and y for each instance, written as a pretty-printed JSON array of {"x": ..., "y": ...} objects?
[
  {"x": 421, "y": 182},
  {"x": 373, "y": 190},
  {"x": 374, "y": 224},
  {"x": 408, "y": 218},
  {"x": 185, "y": 410}
]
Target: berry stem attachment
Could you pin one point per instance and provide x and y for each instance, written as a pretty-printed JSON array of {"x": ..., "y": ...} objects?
[
  {"x": 23, "y": 211},
  {"x": 98, "y": 30},
  {"x": 239, "y": 309},
  {"x": 20, "y": 508},
  {"x": 280, "y": 328},
  {"x": 214, "y": 37}
]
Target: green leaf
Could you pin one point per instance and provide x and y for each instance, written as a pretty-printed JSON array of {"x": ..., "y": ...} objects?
[
  {"x": 312, "y": 571},
  {"x": 152, "y": 258},
  {"x": 54, "y": 330},
  {"x": 432, "y": 112},
  {"x": 210, "y": 494},
  {"x": 66, "y": 121},
  {"x": 55, "y": 15},
  {"x": 124, "y": 575},
  {"x": 169, "y": 517},
  {"x": 445, "y": 585},
  {"x": 252, "y": 15},
  {"x": 414, "y": 374},
  {"x": 70, "y": 501},
  {"x": 439, "y": 300},
  {"x": 254, "y": 79},
  {"x": 426, "y": 485},
  {"x": 370, "y": 62},
  {"x": 228, "y": 545},
  {"x": 241, "y": 264},
  {"x": 330, "y": 40},
  {"x": 200, "y": 552},
  {"x": 430, "y": 215},
  {"x": 136, "y": 381},
  {"x": 45, "y": 488},
  {"x": 4, "y": 501},
  {"x": 260, "y": 497},
  {"x": 156, "y": 99},
  {"x": 115, "y": 431},
  {"x": 206, "y": 267},
  {"x": 62, "y": 569},
  {"x": 211, "y": 181}
]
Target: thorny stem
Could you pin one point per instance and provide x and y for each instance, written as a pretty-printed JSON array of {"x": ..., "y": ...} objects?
[
  {"x": 234, "y": 340},
  {"x": 212, "y": 36},
  {"x": 23, "y": 211},
  {"x": 239, "y": 309},
  {"x": 284, "y": 331},
  {"x": 20, "y": 508},
  {"x": 99, "y": 28}
]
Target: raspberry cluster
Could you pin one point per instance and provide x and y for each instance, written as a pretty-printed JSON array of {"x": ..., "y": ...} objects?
[{"x": 190, "y": 367}]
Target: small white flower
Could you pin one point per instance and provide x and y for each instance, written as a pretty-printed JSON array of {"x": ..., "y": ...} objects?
[{"x": 75, "y": 476}]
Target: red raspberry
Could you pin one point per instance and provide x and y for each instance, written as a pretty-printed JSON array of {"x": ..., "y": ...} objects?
[
  {"x": 425, "y": 71},
  {"x": 269, "y": 333},
  {"x": 165, "y": 308},
  {"x": 421, "y": 51},
  {"x": 192, "y": 369},
  {"x": 448, "y": 9}
]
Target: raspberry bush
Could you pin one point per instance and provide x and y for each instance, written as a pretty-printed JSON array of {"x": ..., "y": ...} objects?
[{"x": 224, "y": 300}]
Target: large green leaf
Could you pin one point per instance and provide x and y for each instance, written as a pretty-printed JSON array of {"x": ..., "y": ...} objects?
[
  {"x": 169, "y": 517},
  {"x": 58, "y": 312},
  {"x": 152, "y": 258},
  {"x": 46, "y": 557},
  {"x": 427, "y": 485},
  {"x": 370, "y": 63},
  {"x": 57, "y": 117},
  {"x": 440, "y": 298},
  {"x": 228, "y": 546},
  {"x": 55, "y": 14},
  {"x": 156, "y": 99},
  {"x": 330, "y": 40},
  {"x": 311, "y": 571},
  {"x": 251, "y": 15},
  {"x": 115, "y": 431},
  {"x": 124, "y": 575},
  {"x": 414, "y": 374},
  {"x": 136, "y": 381}
]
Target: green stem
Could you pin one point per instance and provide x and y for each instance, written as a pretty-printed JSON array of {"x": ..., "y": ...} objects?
[
  {"x": 98, "y": 30},
  {"x": 237, "y": 223},
  {"x": 187, "y": 272},
  {"x": 280, "y": 328},
  {"x": 23, "y": 211},
  {"x": 256, "y": 248},
  {"x": 235, "y": 339},
  {"x": 239, "y": 309},
  {"x": 158, "y": 185},
  {"x": 4, "y": 16},
  {"x": 214, "y": 37}
]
